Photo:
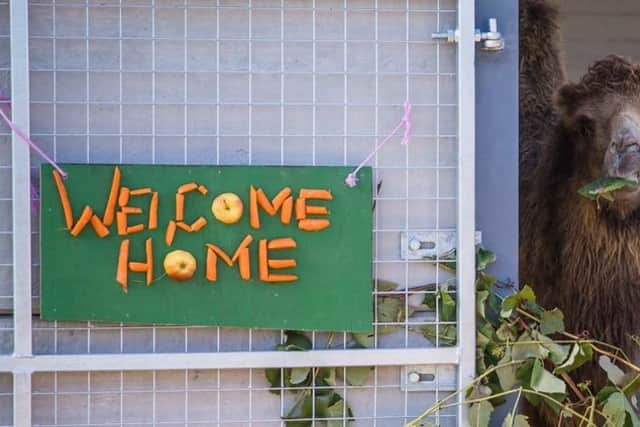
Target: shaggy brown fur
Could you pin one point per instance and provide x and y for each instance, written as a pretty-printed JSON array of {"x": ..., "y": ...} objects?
[{"x": 582, "y": 259}]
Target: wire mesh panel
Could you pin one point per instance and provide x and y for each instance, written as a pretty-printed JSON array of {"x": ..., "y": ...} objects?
[
  {"x": 209, "y": 397},
  {"x": 6, "y": 280},
  {"x": 263, "y": 83},
  {"x": 248, "y": 82}
]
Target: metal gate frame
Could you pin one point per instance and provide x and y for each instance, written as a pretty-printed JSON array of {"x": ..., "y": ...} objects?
[{"x": 22, "y": 363}]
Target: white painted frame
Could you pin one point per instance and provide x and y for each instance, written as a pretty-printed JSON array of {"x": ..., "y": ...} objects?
[{"x": 22, "y": 363}]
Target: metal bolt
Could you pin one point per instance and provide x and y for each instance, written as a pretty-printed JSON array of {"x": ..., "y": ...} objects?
[
  {"x": 413, "y": 377},
  {"x": 415, "y": 244}
]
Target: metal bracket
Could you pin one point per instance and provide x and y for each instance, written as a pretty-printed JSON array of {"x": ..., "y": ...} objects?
[
  {"x": 490, "y": 41},
  {"x": 429, "y": 378},
  {"x": 416, "y": 245}
]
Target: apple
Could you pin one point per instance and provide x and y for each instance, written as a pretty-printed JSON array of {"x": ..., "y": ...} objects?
[
  {"x": 227, "y": 208},
  {"x": 179, "y": 265}
]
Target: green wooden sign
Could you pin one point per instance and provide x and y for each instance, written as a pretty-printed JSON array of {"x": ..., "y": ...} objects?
[{"x": 245, "y": 246}]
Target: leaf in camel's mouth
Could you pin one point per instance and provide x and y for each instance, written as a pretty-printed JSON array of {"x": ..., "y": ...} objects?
[{"x": 605, "y": 187}]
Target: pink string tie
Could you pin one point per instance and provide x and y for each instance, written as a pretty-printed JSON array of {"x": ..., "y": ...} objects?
[
  {"x": 352, "y": 178},
  {"x": 23, "y": 136}
]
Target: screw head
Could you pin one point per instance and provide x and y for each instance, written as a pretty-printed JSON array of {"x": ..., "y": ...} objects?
[
  {"x": 413, "y": 377},
  {"x": 414, "y": 244}
]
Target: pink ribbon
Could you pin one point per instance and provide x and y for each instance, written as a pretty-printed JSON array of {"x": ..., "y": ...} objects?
[
  {"x": 352, "y": 179},
  {"x": 23, "y": 136}
]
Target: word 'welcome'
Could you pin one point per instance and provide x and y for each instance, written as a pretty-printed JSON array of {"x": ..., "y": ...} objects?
[{"x": 301, "y": 211}]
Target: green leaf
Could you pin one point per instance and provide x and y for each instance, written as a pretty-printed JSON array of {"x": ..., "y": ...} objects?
[
  {"x": 447, "y": 305},
  {"x": 518, "y": 421},
  {"x": 525, "y": 349},
  {"x": 507, "y": 332},
  {"x": 298, "y": 375},
  {"x": 605, "y": 392},
  {"x": 389, "y": 309},
  {"x": 614, "y": 410},
  {"x": 295, "y": 341},
  {"x": 364, "y": 340},
  {"x": 580, "y": 354},
  {"x": 552, "y": 321},
  {"x": 506, "y": 374},
  {"x": 544, "y": 381},
  {"x": 558, "y": 353},
  {"x": 603, "y": 187},
  {"x": 615, "y": 374},
  {"x": 484, "y": 258},
  {"x": 338, "y": 410},
  {"x": 525, "y": 294},
  {"x": 358, "y": 375},
  {"x": 386, "y": 286},
  {"x": 326, "y": 377},
  {"x": 481, "y": 303},
  {"x": 480, "y": 414},
  {"x": 274, "y": 377},
  {"x": 632, "y": 386},
  {"x": 448, "y": 334}
]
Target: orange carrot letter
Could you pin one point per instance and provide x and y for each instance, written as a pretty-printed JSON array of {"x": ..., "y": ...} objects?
[
  {"x": 264, "y": 263},
  {"x": 124, "y": 265},
  {"x": 241, "y": 256},
  {"x": 282, "y": 202}
]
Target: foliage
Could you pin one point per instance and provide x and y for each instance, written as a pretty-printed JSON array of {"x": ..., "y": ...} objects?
[{"x": 523, "y": 350}]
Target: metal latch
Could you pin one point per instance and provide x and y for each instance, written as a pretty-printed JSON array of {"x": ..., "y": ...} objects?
[
  {"x": 419, "y": 245},
  {"x": 491, "y": 41},
  {"x": 428, "y": 378}
]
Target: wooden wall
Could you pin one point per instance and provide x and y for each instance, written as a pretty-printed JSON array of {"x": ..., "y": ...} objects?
[{"x": 592, "y": 29}]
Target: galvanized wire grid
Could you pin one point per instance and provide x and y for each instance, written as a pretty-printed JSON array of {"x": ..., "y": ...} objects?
[
  {"x": 207, "y": 397},
  {"x": 242, "y": 82}
]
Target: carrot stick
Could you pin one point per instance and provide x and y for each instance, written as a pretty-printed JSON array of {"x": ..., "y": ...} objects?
[
  {"x": 84, "y": 219},
  {"x": 179, "y": 207},
  {"x": 222, "y": 254},
  {"x": 171, "y": 232},
  {"x": 123, "y": 257},
  {"x": 153, "y": 212},
  {"x": 121, "y": 222},
  {"x": 282, "y": 263},
  {"x": 109, "y": 210},
  {"x": 317, "y": 210},
  {"x": 135, "y": 228},
  {"x": 148, "y": 249},
  {"x": 124, "y": 196},
  {"x": 282, "y": 243},
  {"x": 203, "y": 190},
  {"x": 185, "y": 188},
  {"x": 198, "y": 224},
  {"x": 141, "y": 191},
  {"x": 211, "y": 270},
  {"x": 264, "y": 202},
  {"x": 254, "y": 219},
  {"x": 263, "y": 267},
  {"x": 287, "y": 210},
  {"x": 306, "y": 193},
  {"x": 301, "y": 209},
  {"x": 138, "y": 267},
  {"x": 313, "y": 224},
  {"x": 101, "y": 230},
  {"x": 280, "y": 278},
  {"x": 281, "y": 197},
  {"x": 64, "y": 199},
  {"x": 244, "y": 244},
  {"x": 243, "y": 264},
  {"x": 131, "y": 210},
  {"x": 182, "y": 226}
]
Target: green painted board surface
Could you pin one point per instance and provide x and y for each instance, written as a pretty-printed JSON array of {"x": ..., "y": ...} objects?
[{"x": 333, "y": 292}]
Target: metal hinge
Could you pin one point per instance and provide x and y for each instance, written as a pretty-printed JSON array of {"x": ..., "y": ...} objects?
[{"x": 491, "y": 41}]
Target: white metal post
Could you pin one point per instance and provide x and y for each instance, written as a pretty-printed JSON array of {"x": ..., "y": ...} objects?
[
  {"x": 19, "y": 31},
  {"x": 466, "y": 198},
  {"x": 20, "y": 179}
]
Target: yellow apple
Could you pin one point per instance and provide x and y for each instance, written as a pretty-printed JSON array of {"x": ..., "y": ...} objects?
[
  {"x": 227, "y": 208},
  {"x": 179, "y": 265}
]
